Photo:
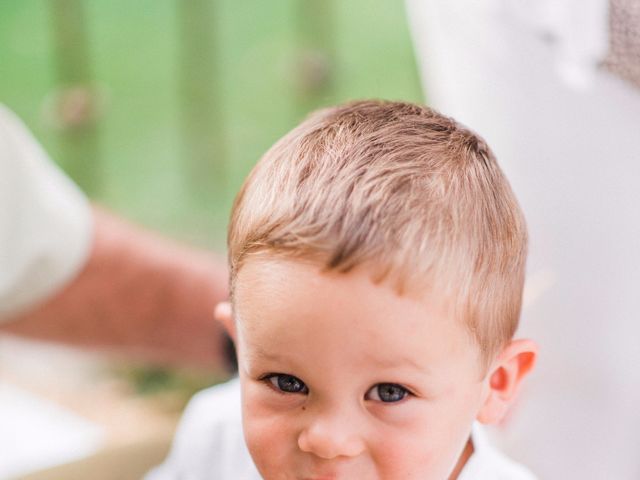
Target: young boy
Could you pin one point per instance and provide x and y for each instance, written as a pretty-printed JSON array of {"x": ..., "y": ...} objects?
[{"x": 377, "y": 261}]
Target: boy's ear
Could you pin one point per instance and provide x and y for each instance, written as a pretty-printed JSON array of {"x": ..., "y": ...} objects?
[
  {"x": 224, "y": 315},
  {"x": 505, "y": 377}
]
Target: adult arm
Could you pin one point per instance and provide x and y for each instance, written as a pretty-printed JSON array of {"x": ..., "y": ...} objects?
[
  {"x": 137, "y": 293},
  {"x": 75, "y": 274}
]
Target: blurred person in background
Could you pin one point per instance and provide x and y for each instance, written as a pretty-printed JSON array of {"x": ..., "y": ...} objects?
[
  {"x": 555, "y": 87},
  {"x": 73, "y": 273}
]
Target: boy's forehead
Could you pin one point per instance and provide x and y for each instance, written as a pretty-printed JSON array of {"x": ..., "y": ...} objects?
[
  {"x": 301, "y": 284},
  {"x": 368, "y": 276},
  {"x": 283, "y": 302}
]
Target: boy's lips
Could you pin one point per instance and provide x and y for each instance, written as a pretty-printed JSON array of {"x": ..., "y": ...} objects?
[{"x": 323, "y": 476}]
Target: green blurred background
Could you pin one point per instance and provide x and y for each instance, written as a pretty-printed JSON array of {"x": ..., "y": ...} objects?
[{"x": 159, "y": 108}]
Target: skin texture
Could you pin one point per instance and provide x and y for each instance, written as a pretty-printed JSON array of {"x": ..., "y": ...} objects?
[
  {"x": 139, "y": 295},
  {"x": 341, "y": 336}
]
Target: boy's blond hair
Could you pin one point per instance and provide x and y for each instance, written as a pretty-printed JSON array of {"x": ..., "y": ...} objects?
[{"x": 401, "y": 190}]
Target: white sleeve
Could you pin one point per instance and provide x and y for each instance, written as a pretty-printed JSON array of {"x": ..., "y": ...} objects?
[
  {"x": 45, "y": 221},
  {"x": 209, "y": 443}
]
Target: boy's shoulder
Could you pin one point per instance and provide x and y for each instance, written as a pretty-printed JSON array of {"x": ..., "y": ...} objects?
[
  {"x": 209, "y": 442},
  {"x": 488, "y": 463}
]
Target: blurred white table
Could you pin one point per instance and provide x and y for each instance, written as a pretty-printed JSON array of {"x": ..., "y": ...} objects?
[{"x": 37, "y": 434}]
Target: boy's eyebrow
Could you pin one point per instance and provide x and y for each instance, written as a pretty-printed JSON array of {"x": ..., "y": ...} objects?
[
  {"x": 259, "y": 352},
  {"x": 399, "y": 361},
  {"x": 394, "y": 362}
]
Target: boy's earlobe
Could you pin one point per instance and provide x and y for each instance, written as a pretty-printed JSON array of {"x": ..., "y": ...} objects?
[
  {"x": 224, "y": 315},
  {"x": 505, "y": 378}
]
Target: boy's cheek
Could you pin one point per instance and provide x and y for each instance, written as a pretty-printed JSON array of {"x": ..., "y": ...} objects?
[
  {"x": 413, "y": 459},
  {"x": 271, "y": 445},
  {"x": 266, "y": 427}
]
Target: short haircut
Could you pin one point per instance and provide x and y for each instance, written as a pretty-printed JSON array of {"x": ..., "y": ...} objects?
[{"x": 402, "y": 190}]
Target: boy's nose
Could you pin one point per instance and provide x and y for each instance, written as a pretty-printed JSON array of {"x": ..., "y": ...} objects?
[{"x": 331, "y": 437}]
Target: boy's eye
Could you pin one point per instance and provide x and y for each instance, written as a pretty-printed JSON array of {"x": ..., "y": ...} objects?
[
  {"x": 287, "y": 383},
  {"x": 387, "y": 392}
]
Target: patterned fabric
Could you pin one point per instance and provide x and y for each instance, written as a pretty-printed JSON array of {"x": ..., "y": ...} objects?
[{"x": 623, "y": 58}]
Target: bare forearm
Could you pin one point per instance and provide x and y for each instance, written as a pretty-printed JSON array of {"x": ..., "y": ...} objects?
[{"x": 139, "y": 294}]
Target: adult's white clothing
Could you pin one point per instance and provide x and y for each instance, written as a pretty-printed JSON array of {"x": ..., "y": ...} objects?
[
  {"x": 526, "y": 76},
  {"x": 45, "y": 221},
  {"x": 209, "y": 444}
]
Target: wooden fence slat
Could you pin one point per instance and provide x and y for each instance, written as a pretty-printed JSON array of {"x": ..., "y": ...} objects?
[
  {"x": 315, "y": 62},
  {"x": 203, "y": 128},
  {"x": 75, "y": 100}
]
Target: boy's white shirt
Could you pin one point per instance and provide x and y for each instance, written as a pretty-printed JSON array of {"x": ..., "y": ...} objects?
[{"x": 209, "y": 444}]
